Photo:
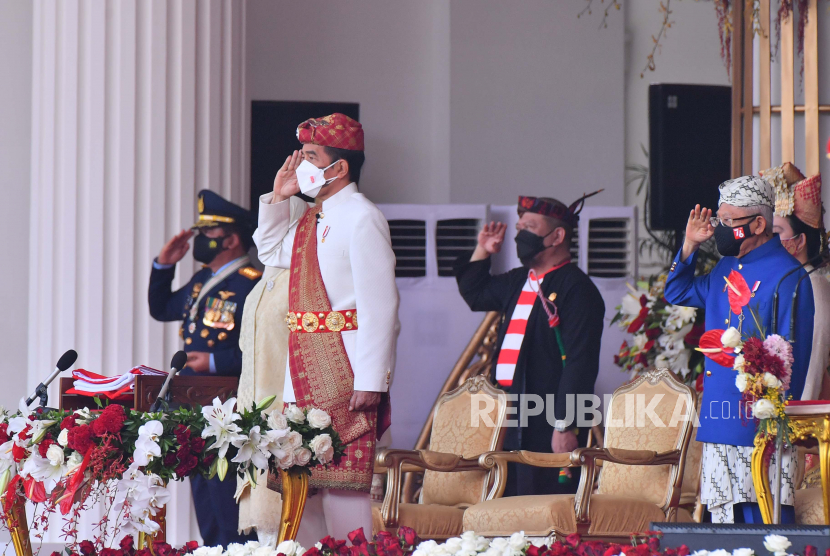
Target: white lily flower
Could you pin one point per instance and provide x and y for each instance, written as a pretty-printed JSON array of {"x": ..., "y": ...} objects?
[
  {"x": 221, "y": 425},
  {"x": 249, "y": 449},
  {"x": 41, "y": 469},
  {"x": 19, "y": 421}
]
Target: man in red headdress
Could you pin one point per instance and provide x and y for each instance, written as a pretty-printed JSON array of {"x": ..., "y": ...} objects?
[
  {"x": 342, "y": 265},
  {"x": 550, "y": 335}
]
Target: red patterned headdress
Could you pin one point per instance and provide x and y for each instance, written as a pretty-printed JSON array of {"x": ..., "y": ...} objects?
[
  {"x": 337, "y": 131},
  {"x": 555, "y": 209},
  {"x": 796, "y": 195}
]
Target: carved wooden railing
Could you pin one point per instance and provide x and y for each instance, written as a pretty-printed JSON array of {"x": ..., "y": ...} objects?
[{"x": 743, "y": 107}]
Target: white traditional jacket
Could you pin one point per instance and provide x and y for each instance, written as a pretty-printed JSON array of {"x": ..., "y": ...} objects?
[{"x": 354, "y": 250}]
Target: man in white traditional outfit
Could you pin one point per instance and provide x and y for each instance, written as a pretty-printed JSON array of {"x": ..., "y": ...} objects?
[
  {"x": 341, "y": 263},
  {"x": 754, "y": 258}
]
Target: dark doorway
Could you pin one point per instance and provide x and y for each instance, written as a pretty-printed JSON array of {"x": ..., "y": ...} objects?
[{"x": 273, "y": 136}]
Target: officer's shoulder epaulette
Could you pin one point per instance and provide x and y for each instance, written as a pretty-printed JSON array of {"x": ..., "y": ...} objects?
[{"x": 250, "y": 273}]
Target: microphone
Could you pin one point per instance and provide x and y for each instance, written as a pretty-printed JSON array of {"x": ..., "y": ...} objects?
[
  {"x": 67, "y": 360},
  {"x": 775, "y": 295},
  {"x": 176, "y": 364}
]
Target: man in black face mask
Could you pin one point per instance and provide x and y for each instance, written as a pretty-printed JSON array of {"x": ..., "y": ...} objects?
[
  {"x": 210, "y": 305},
  {"x": 739, "y": 293},
  {"x": 550, "y": 334}
]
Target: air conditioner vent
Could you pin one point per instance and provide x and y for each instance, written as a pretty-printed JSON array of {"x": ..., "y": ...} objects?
[
  {"x": 575, "y": 247},
  {"x": 609, "y": 247},
  {"x": 454, "y": 237},
  {"x": 409, "y": 242}
]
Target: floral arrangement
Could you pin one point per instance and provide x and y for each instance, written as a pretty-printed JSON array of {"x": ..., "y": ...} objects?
[
  {"x": 406, "y": 542},
  {"x": 68, "y": 461},
  {"x": 665, "y": 335},
  {"x": 764, "y": 368}
]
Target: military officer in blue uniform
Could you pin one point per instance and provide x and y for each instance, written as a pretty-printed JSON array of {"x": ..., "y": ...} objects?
[{"x": 210, "y": 306}]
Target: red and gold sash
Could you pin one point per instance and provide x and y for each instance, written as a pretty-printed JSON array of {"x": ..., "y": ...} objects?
[{"x": 321, "y": 373}]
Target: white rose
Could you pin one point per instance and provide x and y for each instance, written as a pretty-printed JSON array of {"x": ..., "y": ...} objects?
[
  {"x": 499, "y": 544},
  {"x": 302, "y": 456},
  {"x": 776, "y": 543},
  {"x": 215, "y": 551},
  {"x": 74, "y": 460},
  {"x": 63, "y": 438},
  {"x": 743, "y": 552},
  {"x": 295, "y": 440},
  {"x": 517, "y": 541},
  {"x": 318, "y": 419},
  {"x": 427, "y": 546},
  {"x": 277, "y": 421},
  {"x": 201, "y": 551},
  {"x": 261, "y": 551},
  {"x": 741, "y": 381},
  {"x": 739, "y": 363},
  {"x": 770, "y": 381},
  {"x": 295, "y": 414},
  {"x": 55, "y": 455},
  {"x": 252, "y": 545},
  {"x": 235, "y": 549},
  {"x": 452, "y": 545},
  {"x": 720, "y": 552},
  {"x": 287, "y": 460},
  {"x": 700, "y": 553},
  {"x": 290, "y": 548},
  {"x": 731, "y": 338},
  {"x": 640, "y": 340},
  {"x": 322, "y": 448},
  {"x": 765, "y": 409}
]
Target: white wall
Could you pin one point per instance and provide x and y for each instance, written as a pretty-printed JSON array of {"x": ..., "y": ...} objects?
[
  {"x": 15, "y": 143},
  {"x": 388, "y": 56},
  {"x": 536, "y": 102},
  {"x": 463, "y": 101}
]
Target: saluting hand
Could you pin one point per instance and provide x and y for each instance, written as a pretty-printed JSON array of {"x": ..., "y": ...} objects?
[
  {"x": 490, "y": 239},
  {"x": 285, "y": 183},
  {"x": 698, "y": 230},
  {"x": 175, "y": 249}
]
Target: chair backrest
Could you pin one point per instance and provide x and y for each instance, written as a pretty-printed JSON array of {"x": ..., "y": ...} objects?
[
  {"x": 656, "y": 412},
  {"x": 467, "y": 422}
]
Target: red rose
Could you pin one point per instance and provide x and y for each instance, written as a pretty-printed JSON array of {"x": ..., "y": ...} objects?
[
  {"x": 170, "y": 459},
  {"x": 110, "y": 421},
  {"x": 693, "y": 337},
  {"x": 612, "y": 550},
  {"x": 313, "y": 551},
  {"x": 80, "y": 439},
  {"x": 573, "y": 538},
  {"x": 357, "y": 537},
  {"x": 163, "y": 549},
  {"x": 4, "y": 433},
  {"x": 87, "y": 548},
  {"x": 653, "y": 333},
  {"x": 144, "y": 552},
  {"x": 532, "y": 550},
  {"x": 191, "y": 546},
  {"x": 197, "y": 445},
  {"x": 69, "y": 422},
  {"x": 330, "y": 542},
  {"x": 642, "y": 360},
  {"x": 654, "y": 543},
  {"x": 44, "y": 446},
  {"x": 684, "y": 551},
  {"x": 109, "y": 552},
  {"x": 127, "y": 543},
  {"x": 408, "y": 535}
]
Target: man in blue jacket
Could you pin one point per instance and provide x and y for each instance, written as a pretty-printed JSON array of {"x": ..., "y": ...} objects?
[
  {"x": 210, "y": 308},
  {"x": 742, "y": 230}
]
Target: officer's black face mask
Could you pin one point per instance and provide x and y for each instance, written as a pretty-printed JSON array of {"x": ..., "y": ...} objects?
[
  {"x": 729, "y": 240},
  {"x": 528, "y": 245},
  {"x": 205, "y": 248}
]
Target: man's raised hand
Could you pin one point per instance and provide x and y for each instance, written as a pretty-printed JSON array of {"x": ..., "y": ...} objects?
[
  {"x": 175, "y": 249},
  {"x": 698, "y": 230},
  {"x": 285, "y": 183}
]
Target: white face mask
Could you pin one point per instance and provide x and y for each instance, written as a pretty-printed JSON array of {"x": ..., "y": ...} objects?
[{"x": 311, "y": 178}]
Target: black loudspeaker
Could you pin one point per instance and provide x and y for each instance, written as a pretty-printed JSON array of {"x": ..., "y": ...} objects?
[
  {"x": 274, "y": 136},
  {"x": 710, "y": 536},
  {"x": 690, "y": 145}
]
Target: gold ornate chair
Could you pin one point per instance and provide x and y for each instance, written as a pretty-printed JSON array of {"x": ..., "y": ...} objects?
[
  {"x": 642, "y": 469},
  {"x": 453, "y": 479}
]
